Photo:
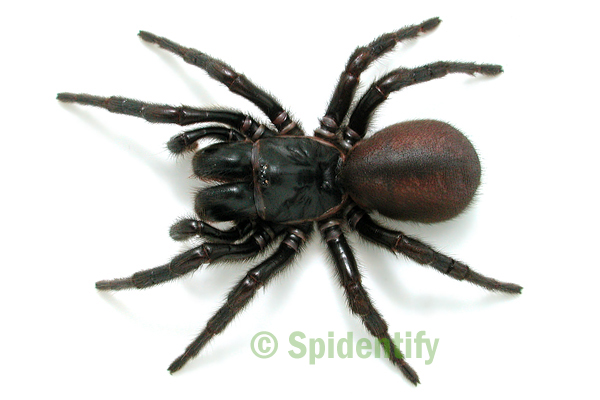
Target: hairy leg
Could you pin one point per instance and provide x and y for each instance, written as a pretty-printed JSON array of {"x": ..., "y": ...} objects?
[
  {"x": 162, "y": 113},
  {"x": 191, "y": 260},
  {"x": 188, "y": 140},
  {"x": 358, "y": 299},
  {"x": 422, "y": 253},
  {"x": 244, "y": 291},
  {"x": 186, "y": 228},
  {"x": 234, "y": 81},
  {"x": 401, "y": 78},
  {"x": 358, "y": 62}
]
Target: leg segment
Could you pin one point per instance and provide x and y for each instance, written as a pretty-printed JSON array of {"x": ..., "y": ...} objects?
[
  {"x": 191, "y": 260},
  {"x": 161, "y": 113},
  {"x": 422, "y": 253},
  {"x": 358, "y": 299},
  {"x": 243, "y": 292},
  {"x": 359, "y": 61},
  {"x": 187, "y": 228},
  {"x": 237, "y": 83},
  {"x": 401, "y": 78},
  {"x": 187, "y": 141}
]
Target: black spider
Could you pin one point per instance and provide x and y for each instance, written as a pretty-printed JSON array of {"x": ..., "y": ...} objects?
[{"x": 277, "y": 183}]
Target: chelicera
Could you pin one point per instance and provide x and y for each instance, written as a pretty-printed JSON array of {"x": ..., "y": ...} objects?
[{"x": 276, "y": 184}]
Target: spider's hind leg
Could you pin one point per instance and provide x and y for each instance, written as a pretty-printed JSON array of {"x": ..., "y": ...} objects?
[
  {"x": 398, "y": 79},
  {"x": 422, "y": 253},
  {"x": 358, "y": 298},
  {"x": 358, "y": 62}
]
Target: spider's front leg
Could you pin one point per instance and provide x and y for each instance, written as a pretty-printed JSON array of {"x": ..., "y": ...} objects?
[
  {"x": 244, "y": 127},
  {"x": 245, "y": 290},
  {"x": 421, "y": 253},
  {"x": 192, "y": 259},
  {"x": 358, "y": 299},
  {"x": 234, "y": 81}
]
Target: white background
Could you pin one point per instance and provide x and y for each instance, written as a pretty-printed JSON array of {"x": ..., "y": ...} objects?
[{"x": 90, "y": 195}]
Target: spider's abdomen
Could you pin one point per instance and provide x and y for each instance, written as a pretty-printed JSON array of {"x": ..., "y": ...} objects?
[{"x": 424, "y": 171}]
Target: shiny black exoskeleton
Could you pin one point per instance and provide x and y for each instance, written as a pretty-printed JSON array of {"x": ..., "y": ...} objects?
[
  {"x": 281, "y": 179},
  {"x": 274, "y": 184}
]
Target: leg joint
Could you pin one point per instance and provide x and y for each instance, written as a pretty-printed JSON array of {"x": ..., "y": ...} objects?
[
  {"x": 243, "y": 292},
  {"x": 358, "y": 299},
  {"x": 458, "y": 270}
]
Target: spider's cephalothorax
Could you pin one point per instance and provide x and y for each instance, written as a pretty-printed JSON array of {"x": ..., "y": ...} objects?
[
  {"x": 274, "y": 184},
  {"x": 283, "y": 179}
]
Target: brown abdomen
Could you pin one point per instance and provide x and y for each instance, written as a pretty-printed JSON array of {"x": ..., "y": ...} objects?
[{"x": 425, "y": 171}]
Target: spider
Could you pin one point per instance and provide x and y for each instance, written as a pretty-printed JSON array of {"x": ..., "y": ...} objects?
[{"x": 273, "y": 183}]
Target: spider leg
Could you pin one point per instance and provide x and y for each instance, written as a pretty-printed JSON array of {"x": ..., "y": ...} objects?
[
  {"x": 192, "y": 259},
  {"x": 422, "y": 253},
  {"x": 244, "y": 291},
  {"x": 235, "y": 82},
  {"x": 358, "y": 299},
  {"x": 358, "y": 62},
  {"x": 186, "y": 228},
  {"x": 398, "y": 79},
  {"x": 162, "y": 113},
  {"x": 187, "y": 141}
]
